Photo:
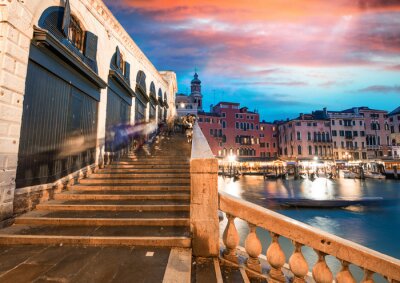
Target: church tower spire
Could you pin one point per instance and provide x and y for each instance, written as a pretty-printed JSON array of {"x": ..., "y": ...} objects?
[{"x": 195, "y": 91}]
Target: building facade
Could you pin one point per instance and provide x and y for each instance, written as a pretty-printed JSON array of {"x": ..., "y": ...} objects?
[
  {"x": 268, "y": 140},
  {"x": 306, "y": 138},
  {"x": 359, "y": 133},
  {"x": 234, "y": 130},
  {"x": 59, "y": 95},
  {"x": 348, "y": 135},
  {"x": 377, "y": 132},
  {"x": 394, "y": 129}
]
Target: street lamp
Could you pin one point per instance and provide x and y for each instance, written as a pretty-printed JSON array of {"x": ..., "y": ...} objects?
[{"x": 182, "y": 105}]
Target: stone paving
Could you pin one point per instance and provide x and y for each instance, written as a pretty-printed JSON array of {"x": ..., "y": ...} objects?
[{"x": 30, "y": 263}]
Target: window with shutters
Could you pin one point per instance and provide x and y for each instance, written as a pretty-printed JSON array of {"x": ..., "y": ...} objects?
[
  {"x": 68, "y": 30},
  {"x": 121, "y": 66},
  {"x": 75, "y": 33}
]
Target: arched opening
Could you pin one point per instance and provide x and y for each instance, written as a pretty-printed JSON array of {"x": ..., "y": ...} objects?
[
  {"x": 153, "y": 102},
  {"x": 141, "y": 97},
  {"x": 119, "y": 102},
  {"x": 60, "y": 109}
]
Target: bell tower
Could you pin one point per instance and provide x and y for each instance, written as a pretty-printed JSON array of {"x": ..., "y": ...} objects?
[{"x": 195, "y": 91}]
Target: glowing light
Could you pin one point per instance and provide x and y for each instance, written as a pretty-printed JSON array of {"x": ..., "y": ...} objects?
[
  {"x": 232, "y": 158},
  {"x": 182, "y": 105}
]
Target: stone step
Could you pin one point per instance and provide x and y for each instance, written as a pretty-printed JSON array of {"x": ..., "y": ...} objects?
[
  {"x": 152, "y": 162},
  {"x": 177, "y": 158},
  {"x": 97, "y": 230},
  {"x": 148, "y": 166},
  {"x": 167, "y": 193},
  {"x": 127, "y": 181},
  {"x": 143, "y": 170},
  {"x": 71, "y": 196},
  {"x": 75, "y": 221},
  {"x": 183, "y": 242},
  {"x": 113, "y": 207},
  {"x": 131, "y": 187},
  {"x": 160, "y": 154},
  {"x": 123, "y": 202},
  {"x": 100, "y": 175},
  {"x": 108, "y": 214}
]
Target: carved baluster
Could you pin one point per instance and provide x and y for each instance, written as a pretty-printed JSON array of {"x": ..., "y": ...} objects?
[
  {"x": 276, "y": 258},
  {"x": 58, "y": 187},
  {"x": 88, "y": 171},
  {"x": 298, "y": 264},
  {"x": 367, "y": 276},
  {"x": 253, "y": 249},
  {"x": 344, "y": 275},
  {"x": 80, "y": 176},
  {"x": 231, "y": 239},
  {"x": 321, "y": 272}
]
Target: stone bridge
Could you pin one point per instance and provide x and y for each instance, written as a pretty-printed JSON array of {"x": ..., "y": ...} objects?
[{"x": 152, "y": 216}]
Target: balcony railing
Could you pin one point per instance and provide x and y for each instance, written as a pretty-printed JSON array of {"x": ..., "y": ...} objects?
[
  {"x": 205, "y": 202},
  {"x": 300, "y": 235}
]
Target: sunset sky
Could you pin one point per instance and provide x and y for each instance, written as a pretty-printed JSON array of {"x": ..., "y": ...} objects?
[{"x": 281, "y": 57}]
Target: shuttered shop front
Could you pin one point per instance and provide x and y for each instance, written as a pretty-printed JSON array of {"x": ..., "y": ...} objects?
[{"x": 60, "y": 110}]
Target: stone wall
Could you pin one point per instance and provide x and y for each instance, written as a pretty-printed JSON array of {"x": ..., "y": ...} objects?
[
  {"x": 17, "y": 19},
  {"x": 15, "y": 33}
]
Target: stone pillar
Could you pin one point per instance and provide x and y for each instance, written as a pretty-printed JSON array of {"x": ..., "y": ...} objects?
[
  {"x": 204, "y": 221},
  {"x": 15, "y": 36}
]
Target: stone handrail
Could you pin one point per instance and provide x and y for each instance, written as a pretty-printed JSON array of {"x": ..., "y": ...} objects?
[
  {"x": 300, "y": 234},
  {"x": 204, "y": 221}
]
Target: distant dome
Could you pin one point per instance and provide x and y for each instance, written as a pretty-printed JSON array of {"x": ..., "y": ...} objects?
[{"x": 196, "y": 79}]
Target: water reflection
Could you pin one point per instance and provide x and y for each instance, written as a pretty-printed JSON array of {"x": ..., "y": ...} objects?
[{"x": 375, "y": 227}]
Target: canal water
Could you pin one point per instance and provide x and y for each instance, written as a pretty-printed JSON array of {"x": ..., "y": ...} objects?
[{"x": 376, "y": 227}]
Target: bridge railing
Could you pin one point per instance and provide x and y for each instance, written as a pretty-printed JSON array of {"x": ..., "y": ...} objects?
[
  {"x": 300, "y": 234},
  {"x": 205, "y": 202},
  {"x": 204, "y": 222}
]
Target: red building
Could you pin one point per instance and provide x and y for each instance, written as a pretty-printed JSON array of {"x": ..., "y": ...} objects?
[
  {"x": 232, "y": 130},
  {"x": 268, "y": 139}
]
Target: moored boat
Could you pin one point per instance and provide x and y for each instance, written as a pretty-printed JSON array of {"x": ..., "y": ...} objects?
[
  {"x": 347, "y": 174},
  {"x": 332, "y": 203},
  {"x": 374, "y": 175}
]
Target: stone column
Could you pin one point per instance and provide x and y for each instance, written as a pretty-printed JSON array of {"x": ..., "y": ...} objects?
[
  {"x": 15, "y": 35},
  {"x": 204, "y": 221}
]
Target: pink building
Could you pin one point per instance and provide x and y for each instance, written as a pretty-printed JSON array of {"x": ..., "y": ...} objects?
[
  {"x": 306, "y": 137},
  {"x": 233, "y": 130},
  {"x": 377, "y": 131},
  {"x": 268, "y": 139}
]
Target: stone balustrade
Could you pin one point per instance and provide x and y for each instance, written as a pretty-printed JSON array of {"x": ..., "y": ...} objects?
[
  {"x": 205, "y": 202},
  {"x": 204, "y": 222},
  {"x": 300, "y": 234}
]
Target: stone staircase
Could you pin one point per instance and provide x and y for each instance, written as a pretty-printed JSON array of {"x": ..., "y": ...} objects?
[{"x": 141, "y": 200}]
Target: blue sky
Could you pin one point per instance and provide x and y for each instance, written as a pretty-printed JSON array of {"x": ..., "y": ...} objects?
[{"x": 280, "y": 60}]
